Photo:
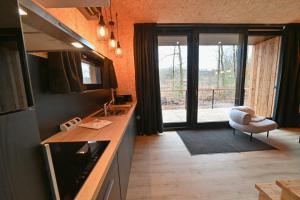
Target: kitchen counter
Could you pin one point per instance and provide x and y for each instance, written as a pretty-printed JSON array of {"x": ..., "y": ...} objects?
[{"x": 113, "y": 132}]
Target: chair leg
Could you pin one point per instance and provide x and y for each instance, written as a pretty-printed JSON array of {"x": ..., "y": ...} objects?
[
  {"x": 233, "y": 132},
  {"x": 268, "y": 134},
  {"x": 251, "y": 136}
]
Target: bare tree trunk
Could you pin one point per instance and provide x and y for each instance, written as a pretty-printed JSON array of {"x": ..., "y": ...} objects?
[
  {"x": 222, "y": 64},
  {"x": 173, "y": 68},
  {"x": 219, "y": 64},
  {"x": 180, "y": 69},
  {"x": 234, "y": 60}
]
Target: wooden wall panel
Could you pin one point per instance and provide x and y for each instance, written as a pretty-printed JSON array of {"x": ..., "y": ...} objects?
[{"x": 263, "y": 76}]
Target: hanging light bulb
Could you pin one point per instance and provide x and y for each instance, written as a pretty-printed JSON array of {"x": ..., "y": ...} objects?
[
  {"x": 112, "y": 40},
  {"x": 118, "y": 49},
  {"x": 101, "y": 30}
]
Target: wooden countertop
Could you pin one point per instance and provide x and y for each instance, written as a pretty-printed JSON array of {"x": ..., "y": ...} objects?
[{"x": 113, "y": 132}]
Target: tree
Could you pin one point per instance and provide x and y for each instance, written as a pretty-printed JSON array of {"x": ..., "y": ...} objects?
[
  {"x": 180, "y": 68},
  {"x": 234, "y": 59},
  {"x": 222, "y": 64},
  {"x": 173, "y": 68},
  {"x": 219, "y": 65}
]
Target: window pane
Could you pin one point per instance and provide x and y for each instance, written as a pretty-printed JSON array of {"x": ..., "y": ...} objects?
[
  {"x": 217, "y": 75},
  {"x": 91, "y": 73},
  {"x": 172, "y": 51}
]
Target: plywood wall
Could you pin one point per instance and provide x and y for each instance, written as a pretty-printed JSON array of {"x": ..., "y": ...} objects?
[
  {"x": 263, "y": 75},
  {"x": 72, "y": 18}
]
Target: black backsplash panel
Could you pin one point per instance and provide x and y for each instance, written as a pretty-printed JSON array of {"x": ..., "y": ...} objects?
[{"x": 54, "y": 109}]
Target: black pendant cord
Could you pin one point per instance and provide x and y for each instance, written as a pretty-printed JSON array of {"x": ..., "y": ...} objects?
[
  {"x": 105, "y": 13},
  {"x": 101, "y": 17},
  {"x": 110, "y": 2},
  {"x": 117, "y": 25},
  {"x": 111, "y": 22},
  {"x": 100, "y": 11}
]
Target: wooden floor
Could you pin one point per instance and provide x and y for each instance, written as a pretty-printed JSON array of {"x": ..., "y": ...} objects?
[{"x": 163, "y": 169}]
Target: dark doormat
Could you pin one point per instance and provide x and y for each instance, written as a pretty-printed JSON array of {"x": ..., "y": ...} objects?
[{"x": 220, "y": 141}]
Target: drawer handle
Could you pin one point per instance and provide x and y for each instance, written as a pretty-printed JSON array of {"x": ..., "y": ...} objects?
[{"x": 111, "y": 184}]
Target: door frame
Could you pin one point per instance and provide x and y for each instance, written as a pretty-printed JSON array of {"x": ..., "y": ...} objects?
[
  {"x": 187, "y": 33},
  {"x": 226, "y": 30},
  {"x": 192, "y": 32}
]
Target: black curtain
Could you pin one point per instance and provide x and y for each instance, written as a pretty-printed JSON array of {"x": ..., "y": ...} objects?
[
  {"x": 109, "y": 78},
  {"x": 65, "y": 73},
  {"x": 288, "y": 98},
  {"x": 147, "y": 78},
  {"x": 12, "y": 95}
]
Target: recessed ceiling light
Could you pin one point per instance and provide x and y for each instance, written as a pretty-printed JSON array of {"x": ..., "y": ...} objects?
[
  {"x": 77, "y": 45},
  {"x": 219, "y": 42},
  {"x": 22, "y": 12}
]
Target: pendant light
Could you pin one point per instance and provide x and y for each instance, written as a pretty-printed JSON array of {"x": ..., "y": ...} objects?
[
  {"x": 112, "y": 39},
  {"x": 101, "y": 30},
  {"x": 118, "y": 49}
]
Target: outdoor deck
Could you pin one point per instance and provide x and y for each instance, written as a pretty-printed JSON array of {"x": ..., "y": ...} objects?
[{"x": 204, "y": 115}]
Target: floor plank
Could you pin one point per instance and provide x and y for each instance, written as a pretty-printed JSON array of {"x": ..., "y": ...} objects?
[{"x": 163, "y": 169}]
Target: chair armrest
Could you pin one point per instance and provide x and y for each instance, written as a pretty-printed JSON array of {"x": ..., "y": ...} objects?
[{"x": 240, "y": 117}]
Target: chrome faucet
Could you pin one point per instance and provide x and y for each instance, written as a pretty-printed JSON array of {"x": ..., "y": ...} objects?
[{"x": 106, "y": 106}]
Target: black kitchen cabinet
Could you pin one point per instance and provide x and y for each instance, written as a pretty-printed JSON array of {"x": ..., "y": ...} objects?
[
  {"x": 110, "y": 189},
  {"x": 125, "y": 153},
  {"x": 15, "y": 87},
  {"x": 116, "y": 182},
  {"x": 22, "y": 171}
]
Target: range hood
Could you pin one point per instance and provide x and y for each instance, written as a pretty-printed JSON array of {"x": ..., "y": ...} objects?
[
  {"x": 73, "y": 3},
  {"x": 43, "y": 32}
]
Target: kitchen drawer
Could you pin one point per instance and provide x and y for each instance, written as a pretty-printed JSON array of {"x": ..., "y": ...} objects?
[{"x": 110, "y": 189}]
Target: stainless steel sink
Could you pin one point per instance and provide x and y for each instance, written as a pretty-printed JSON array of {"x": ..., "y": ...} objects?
[{"x": 113, "y": 111}]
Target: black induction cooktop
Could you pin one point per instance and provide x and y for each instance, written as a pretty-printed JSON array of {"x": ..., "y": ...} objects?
[{"x": 70, "y": 163}]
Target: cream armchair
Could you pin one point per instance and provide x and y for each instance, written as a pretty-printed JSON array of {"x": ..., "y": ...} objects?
[{"x": 243, "y": 118}]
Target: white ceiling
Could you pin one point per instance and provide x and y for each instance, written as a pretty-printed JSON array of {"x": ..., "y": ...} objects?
[{"x": 209, "y": 11}]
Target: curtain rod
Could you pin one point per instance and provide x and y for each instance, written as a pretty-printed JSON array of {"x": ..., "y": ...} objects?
[
  {"x": 211, "y": 25},
  {"x": 46, "y": 51}
]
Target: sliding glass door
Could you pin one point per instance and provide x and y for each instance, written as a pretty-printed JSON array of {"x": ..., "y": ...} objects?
[
  {"x": 205, "y": 72},
  {"x": 218, "y": 63},
  {"x": 172, "y": 56}
]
